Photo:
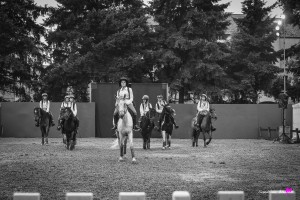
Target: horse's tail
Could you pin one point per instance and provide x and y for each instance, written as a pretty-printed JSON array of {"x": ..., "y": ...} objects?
[{"x": 115, "y": 144}]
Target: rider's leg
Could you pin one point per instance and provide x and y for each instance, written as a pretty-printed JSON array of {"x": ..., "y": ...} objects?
[
  {"x": 51, "y": 119},
  {"x": 116, "y": 118},
  {"x": 59, "y": 123},
  {"x": 134, "y": 116}
]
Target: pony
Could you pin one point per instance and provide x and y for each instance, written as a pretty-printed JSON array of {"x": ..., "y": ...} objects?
[
  {"x": 166, "y": 125},
  {"x": 69, "y": 126},
  {"x": 147, "y": 125},
  {"x": 44, "y": 120},
  {"x": 205, "y": 127},
  {"x": 124, "y": 129}
]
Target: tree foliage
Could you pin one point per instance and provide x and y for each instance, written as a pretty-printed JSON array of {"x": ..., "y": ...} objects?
[
  {"x": 21, "y": 50},
  {"x": 99, "y": 41},
  {"x": 253, "y": 57},
  {"x": 189, "y": 55}
]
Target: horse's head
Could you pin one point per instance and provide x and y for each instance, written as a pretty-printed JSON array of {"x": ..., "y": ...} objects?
[
  {"x": 66, "y": 113},
  {"x": 168, "y": 110},
  {"x": 37, "y": 113},
  {"x": 122, "y": 107},
  {"x": 151, "y": 114}
]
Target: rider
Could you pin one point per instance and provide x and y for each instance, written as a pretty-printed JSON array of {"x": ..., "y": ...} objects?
[
  {"x": 145, "y": 106},
  {"x": 74, "y": 110},
  {"x": 66, "y": 103},
  {"x": 125, "y": 92},
  {"x": 203, "y": 105},
  {"x": 160, "y": 104},
  {"x": 45, "y": 105}
]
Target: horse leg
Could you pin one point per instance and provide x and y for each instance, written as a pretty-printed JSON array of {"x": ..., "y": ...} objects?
[
  {"x": 43, "y": 135},
  {"x": 197, "y": 137},
  {"x": 130, "y": 135},
  {"x": 144, "y": 141},
  {"x": 210, "y": 137},
  {"x": 72, "y": 142},
  {"x": 148, "y": 141},
  {"x": 125, "y": 145},
  {"x": 164, "y": 139},
  {"x": 169, "y": 141},
  {"x": 204, "y": 139},
  {"x": 46, "y": 134},
  {"x": 121, "y": 147}
]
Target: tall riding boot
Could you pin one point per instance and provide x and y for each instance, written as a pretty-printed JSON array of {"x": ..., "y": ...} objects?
[
  {"x": 135, "y": 126},
  {"x": 51, "y": 120},
  {"x": 116, "y": 119},
  {"x": 59, "y": 124}
]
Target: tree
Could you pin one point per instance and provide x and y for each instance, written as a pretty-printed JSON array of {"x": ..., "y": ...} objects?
[
  {"x": 253, "y": 57},
  {"x": 99, "y": 41},
  {"x": 292, "y": 11},
  {"x": 21, "y": 50},
  {"x": 188, "y": 54}
]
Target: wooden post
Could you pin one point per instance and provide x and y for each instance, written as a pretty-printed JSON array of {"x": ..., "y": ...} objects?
[
  {"x": 79, "y": 196},
  {"x": 181, "y": 195}
]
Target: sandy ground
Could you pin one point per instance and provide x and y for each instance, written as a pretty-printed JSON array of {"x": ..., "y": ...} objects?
[{"x": 253, "y": 166}]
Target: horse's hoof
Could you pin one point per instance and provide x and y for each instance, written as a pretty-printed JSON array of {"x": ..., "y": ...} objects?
[
  {"x": 134, "y": 161},
  {"x": 169, "y": 147},
  {"x": 121, "y": 159},
  {"x": 72, "y": 146},
  {"x": 163, "y": 148}
]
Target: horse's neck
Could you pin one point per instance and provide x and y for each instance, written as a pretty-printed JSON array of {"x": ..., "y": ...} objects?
[{"x": 206, "y": 122}]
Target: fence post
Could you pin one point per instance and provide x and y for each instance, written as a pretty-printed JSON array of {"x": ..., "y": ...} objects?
[
  {"x": 132, "y": 196},
  {"x": 26, "y": 196},
  {"x": 269, "y": 131},
  {"x": 231, "y": 195},
  {"x": 282, "y": 195},
  {"x": 181, "y": 195}
]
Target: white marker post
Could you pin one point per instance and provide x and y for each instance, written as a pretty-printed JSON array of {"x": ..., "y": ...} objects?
[
  {"x": 181, "y": 195},
  {"x": 26, "y": 196},
  {"x": 79, "y": 196},
  {"x": 282, "y": 195},
  {"x": 132, "y": 196},
  {"x": 231, "y": 195}
]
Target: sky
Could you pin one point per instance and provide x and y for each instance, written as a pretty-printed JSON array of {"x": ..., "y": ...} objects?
[{"x": 234, "y": 7}]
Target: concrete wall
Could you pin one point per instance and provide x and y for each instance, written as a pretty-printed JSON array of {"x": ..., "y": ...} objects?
[
  {"x": 235, "y": 121},
  {"x": 18, "y": 119}
]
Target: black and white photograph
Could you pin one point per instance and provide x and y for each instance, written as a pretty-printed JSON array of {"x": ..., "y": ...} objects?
[{"x": 149, "y": 99}]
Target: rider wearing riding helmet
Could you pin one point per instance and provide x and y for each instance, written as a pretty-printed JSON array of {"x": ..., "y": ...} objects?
[
  {"x": 160, "y": 104},
  {"x": 73, "y": 107},
  {"x": 125, "y": 92},
  {"x": 65, "y": 104},
  {"x": 45, "y": 105},
  {"x": 203, "y": 109},
  {"x": 145, "y": 105}
]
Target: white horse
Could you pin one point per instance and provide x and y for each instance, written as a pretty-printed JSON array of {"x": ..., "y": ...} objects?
[{"x": 124, "y": 130}]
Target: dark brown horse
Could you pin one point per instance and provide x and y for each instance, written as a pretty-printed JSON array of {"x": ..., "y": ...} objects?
[
  {"x": 205, "y": 127},
  {"x": 147, "y": 125},
  {"x": 43, "y": 118},
  {"x": 69, "y": 126}
]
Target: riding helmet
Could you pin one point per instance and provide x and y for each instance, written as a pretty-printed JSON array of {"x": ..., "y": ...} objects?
[
  {"x": 160, "y": 96},
  {"x": 123, "y": 79},
  {"x": 67, "y": 96},
  {"x": 204, "y": 95},
  {"x": 44, "y": 94},
  {"x": 145, "y": 97},
  {"x": 71, "y": 96}
]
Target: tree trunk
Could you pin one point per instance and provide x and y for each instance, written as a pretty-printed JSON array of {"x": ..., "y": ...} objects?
[{"x": 181, "y": 95}]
